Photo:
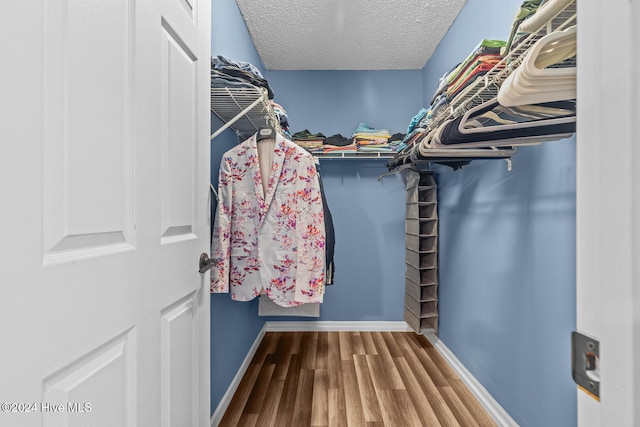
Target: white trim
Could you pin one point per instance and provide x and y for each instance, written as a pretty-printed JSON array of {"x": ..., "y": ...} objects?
[
  {"x": 381, "y": 326},
  {"x": 497, "y": 412},
  {"x": 226, "y": 399}
]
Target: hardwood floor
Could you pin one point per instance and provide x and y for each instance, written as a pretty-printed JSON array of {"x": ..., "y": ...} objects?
[{"x": 351, "y": 379}]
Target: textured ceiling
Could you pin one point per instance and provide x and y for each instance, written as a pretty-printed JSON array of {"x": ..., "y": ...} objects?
[{"x": 347, "y": 34}]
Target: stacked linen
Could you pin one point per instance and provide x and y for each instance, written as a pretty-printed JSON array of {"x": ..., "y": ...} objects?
[
  {"x": 313, "y": 142},
  {"x": 369, "y": 139},
  {"x": 481, "y": 66},
  {"x": 338, "y": 144},
  {"x": 539, "y": 78},
  {"x": 483, "y": 57},
  {"x": 478, "y": 63},
  {"x": 237, "y": 74}
]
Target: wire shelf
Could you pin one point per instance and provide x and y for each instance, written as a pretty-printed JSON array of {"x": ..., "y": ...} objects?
[{"x": 244, "y": 110}]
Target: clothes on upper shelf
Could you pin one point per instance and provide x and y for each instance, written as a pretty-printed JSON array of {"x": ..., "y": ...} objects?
[
  {"x": 226, "y": 72},
  {"x": 336, "y": 149},
  {"x": 245, "y": 66},
  {"x": 415, "y": 120},
  {"x": 314, "y": 142},
  {"x": 339, "y": 144},
  {"x": 276, "y": 240},
  {"x": 368, "y": 138},
  {"x": 338, "y": 140},
  {"x": 365, "y": 140},
  {"x": 487, "y": 51},
  {"x": 305, "y": 135},
  {"x": 222, "y": 80},
  {"x": 479, "y": 67},
  {"x": 504, "y": 94}
]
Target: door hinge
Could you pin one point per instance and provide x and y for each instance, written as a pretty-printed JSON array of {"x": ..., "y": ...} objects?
[{"x": 585, "y": 363}]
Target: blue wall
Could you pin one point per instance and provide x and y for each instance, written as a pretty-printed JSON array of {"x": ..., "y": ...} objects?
[
  {"x": 507, "y": 255},
  {"x": 234, "y": 326},
  {"x": 337, "y": 101},
  {"x": 368, "y": 217}
]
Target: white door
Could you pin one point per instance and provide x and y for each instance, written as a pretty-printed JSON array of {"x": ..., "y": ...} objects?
[
  {"x": 104, "y": 129},
  {"x": 608, "y": 206}
]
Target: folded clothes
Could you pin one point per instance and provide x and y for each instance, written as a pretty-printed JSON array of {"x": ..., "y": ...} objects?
[
  {"x": 365, "y": 128},
  {"x": 306, "y": 135},
  {"x": 440, "y": 106},
  {"x": 338, "y": 140},
  {"x": 443, "y": 83},
  {"x": 345, "y": 148},
  {"x": 479, "y": 67},
  {"x": 228, "y": 67},
  {"x": 370, "y": 141},
  {"x": 485, "y": 47},
  {"x": 396, "y": 137},
  {"x": 246, "y": 66},
  {"x": 416, "y": 119},
  {"x": 221, "y": 80},
  {"x": 309, "y": 143}
]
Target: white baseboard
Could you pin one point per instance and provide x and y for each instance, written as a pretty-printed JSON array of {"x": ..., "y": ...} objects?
[
  {"x": 226, "y": 399},
  {"x": 355, "y": 326},
  {"x": 497, "y": 412}
]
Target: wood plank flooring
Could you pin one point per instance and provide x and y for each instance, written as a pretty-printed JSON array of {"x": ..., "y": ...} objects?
[{"x": 394, "y": 379}]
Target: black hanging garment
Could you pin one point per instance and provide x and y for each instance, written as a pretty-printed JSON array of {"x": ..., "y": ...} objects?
[{"x": 330, "y": 235}]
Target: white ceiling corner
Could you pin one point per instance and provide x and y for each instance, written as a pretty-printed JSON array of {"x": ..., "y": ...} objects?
[{"x": 347, "y": 34}]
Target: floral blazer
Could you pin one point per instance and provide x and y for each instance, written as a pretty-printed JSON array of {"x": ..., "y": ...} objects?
[{"x": 274, "y": 241}]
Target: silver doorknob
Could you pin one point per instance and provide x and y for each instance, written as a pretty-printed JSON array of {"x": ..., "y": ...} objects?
[{"x": 206, "y": 263}]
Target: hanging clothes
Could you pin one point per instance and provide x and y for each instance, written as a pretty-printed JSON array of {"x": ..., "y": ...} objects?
[
  {"x": 330, "y": 235},
  {"x": 275, "y": 240}
]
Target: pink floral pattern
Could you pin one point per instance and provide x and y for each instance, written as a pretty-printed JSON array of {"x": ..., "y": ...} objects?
[{"x": 273, "y": 242}]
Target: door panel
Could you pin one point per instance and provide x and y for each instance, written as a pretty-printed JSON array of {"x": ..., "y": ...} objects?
[
  {"x": 87, "y": 135},
  {"x": 104, "y": 217},
  {"x": 179, "y": 125},
  {"x": 98, "y": 384},
  {"x": 179, "y": 358}
]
